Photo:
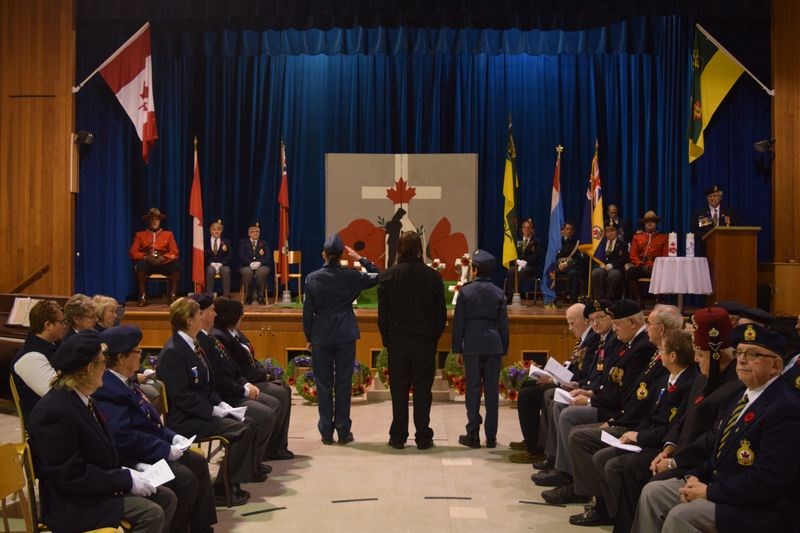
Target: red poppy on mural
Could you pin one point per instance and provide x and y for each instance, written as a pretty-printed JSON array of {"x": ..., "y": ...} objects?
[
  {"x": 367, "y": 239},
  {"x": 447, "y": 247}
]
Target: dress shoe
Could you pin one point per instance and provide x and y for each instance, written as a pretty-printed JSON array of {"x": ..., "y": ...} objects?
[
  {"x": 327, "y": 441},
  {"x": 248, "y": 299},
  {"x": 563, "y": 495},
  {"x": 261, "y": 300},
  {"x": 283, "y": 455},
  {"x": 258, "y": 477},
  {"x": 473, "y": 441},
  {"x": 551, "y": 478},
  {"x": 264, "y": 468},
  {"x": 347, "y": 439},
  {"x": 396, "y": 444},
  {"x": 238, "y": 497},
  {"x": 425, "y": 444},
  {"x": 525, "y": 458},
  {"x": 545, "y": 464},
  {"x": 591, "y": 517},
  {"x": 520, "y": 446},
  {"x": 491, "y": 443}
]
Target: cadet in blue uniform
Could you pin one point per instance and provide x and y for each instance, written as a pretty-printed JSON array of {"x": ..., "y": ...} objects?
[
  {"x": 480, "y": 335},
  {"x": 331, "y": 331},
  {"x": 218, "y": 259},
  {"x": 254, "y": 262}
]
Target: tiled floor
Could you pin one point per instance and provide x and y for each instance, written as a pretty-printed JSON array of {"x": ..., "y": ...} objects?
[{"x": 446, "y": 488}]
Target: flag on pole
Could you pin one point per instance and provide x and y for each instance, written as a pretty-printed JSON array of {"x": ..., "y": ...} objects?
[
  {"x": 554, "y": 235},
  {"x": 283, "y": 226},
  {"x": 130, "y": 75},
  {"x": 592, "y": 225},
  {"x": 510, "y": 185},
  {"x": 714, "y": 71},
  {"x": 196, "y": 212}
]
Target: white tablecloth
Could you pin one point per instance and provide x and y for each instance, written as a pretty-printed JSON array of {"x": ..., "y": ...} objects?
[{"x": 680, "y": 275}]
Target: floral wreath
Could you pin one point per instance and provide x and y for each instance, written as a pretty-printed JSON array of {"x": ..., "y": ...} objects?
[
  {"x": 274, "y": 370},
  {"x": 453, "y": 372},
  {"x": 305, "y": 384},
  {"x": 383, "y": 367},
  {"x": 511, "y": 379},
  {"x": 362, "y": 379}
]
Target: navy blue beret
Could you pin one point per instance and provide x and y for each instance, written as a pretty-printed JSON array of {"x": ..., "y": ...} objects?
[
  {"x": 594, "y": 306},
  {"x": 121, "y": 339},
  {"x": 333, "y": 245},
  {"x": 759, "y": 335},
  {"x": 77, "y": 352},
  {"x": 484, "y": 259},
  {"x": 623, "y": 309},
  {"x": 203, "y": 300}
]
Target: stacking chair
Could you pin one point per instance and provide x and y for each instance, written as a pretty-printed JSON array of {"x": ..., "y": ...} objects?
[
  {"x": 294, "y": 257},
  {"x": 12, "y": 482}
]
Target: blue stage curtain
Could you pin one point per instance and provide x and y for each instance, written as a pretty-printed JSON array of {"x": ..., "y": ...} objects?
[{"x": 387, "y": 91}]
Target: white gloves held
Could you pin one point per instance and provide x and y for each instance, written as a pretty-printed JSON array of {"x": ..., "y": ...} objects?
[
  {"x": 139, "y": 486},
  {"x": 521, "y": 263}
]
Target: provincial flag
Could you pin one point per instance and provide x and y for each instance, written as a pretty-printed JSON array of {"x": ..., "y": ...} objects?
[
  {"x": 592, "y": 226},
  {"x": 510, "y": 185},
  {"x": 714, "y": 71},
  {"x": 196, "y": 212},
  {"x": 129, "y": 74},
  {"x": 283, "y": 226},
  {"x": 554, "y": 235}
]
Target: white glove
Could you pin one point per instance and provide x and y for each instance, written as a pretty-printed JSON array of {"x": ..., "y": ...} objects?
[
  {"x": 216, "y": 266},
  {"x": 139, "y": 486},
  {"x": 521, "y": 263},
  {"x": 148, "y": 372},
  {"x": 141, "y": 467},
  {"x": 255, "y": 264},
  {"x": 609, "y": 266},
  {"x": 174, "y": 453},
  {"x": 180, "y": 440},
  {"x": 219, "y": 412}
]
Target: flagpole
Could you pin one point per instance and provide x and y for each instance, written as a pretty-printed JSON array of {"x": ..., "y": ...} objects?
[
  {"x": 769, "y": 91},
  {"x": 110, "y": 59}
]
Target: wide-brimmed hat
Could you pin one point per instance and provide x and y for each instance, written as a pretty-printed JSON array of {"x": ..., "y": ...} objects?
[
  {"x": 154, "y": 213},
  {"x": 650, "y": 215}
]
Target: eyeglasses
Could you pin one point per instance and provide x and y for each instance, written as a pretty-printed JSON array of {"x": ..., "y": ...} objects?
[
  {"x": 599, "y": 319},
  {"x": 751, "y": 356}
]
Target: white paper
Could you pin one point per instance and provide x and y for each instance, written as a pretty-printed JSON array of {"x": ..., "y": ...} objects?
[
  {"x": 562, "y": 396},
  {"x": 158, "y": 474},
  {"x": 237, "y": 412},
  {"x": 558, "y": 371},
  {"x": 20, "y": 311},
  {"x": 611, "y": 440},
  {"x": 185, "y": 445}
]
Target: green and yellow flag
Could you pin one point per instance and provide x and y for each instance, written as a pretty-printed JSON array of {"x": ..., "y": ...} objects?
[
  {"x": 714, "y": 71},
  {"x": 510, "y": 185}
]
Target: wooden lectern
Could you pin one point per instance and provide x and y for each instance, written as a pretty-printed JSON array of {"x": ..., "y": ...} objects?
[{"x": 731, "y": 253}]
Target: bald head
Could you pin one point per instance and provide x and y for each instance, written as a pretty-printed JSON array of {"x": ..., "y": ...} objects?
[{"x": 575, "y": 320}]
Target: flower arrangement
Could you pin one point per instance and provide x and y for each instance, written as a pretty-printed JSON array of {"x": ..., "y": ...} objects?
[
  {"x": 511, "y": 379},
  {"x": 301, "y": 361},
  {"x": 453, "y": 372},
  {"x": 383, "y": 367},
  {"x": 306, "y": 386},
  {"x": 362, "y": 378},
  {"x": 274, "y": 370}
]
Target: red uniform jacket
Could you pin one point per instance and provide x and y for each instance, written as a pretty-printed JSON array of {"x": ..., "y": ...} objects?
[
  {"x": 645, "y": 247},
  {"x": 164, "y": 244}
]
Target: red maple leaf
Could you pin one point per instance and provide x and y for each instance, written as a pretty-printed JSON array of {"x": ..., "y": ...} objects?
[{"x": 401, "y": 193}]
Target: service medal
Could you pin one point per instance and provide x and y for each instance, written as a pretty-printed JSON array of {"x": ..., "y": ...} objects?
[
  {"x": 744, "y": 455},
  {"x": 641, "y": 392},
  {"x": 672, "y": 413}
]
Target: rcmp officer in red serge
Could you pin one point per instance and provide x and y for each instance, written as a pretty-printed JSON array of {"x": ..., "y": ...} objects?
[
  {"x": 254, "y": 261},
  {"x": 748, "y": 483},
  {"x": 155, "y": 251},
  {"x": 218, "y": 259},
  {"x": 645, "y": 247}
]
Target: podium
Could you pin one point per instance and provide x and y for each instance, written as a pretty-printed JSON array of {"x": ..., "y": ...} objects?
[{"x": 731, "y": 253}]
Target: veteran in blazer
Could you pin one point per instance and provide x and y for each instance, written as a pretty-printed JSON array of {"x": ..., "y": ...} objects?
[
  {"x": 254, "y": 261},
  {"x": 217, "y": 261}
]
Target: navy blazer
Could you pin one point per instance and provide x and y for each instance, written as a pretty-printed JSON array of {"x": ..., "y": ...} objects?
[
  {"x": 753, "y": 481},
  {"x": 239, "y": 355},
  {"x": 228, "y": 381},
  {"x": 135, "y": 424},
  {"x": 532, "y": 254},
  {"x": 80, "y": 480},
  {"x": 618, "y": 256},
  {"x": 190, "y": 387},
  {"x": 248, "y": 254},
  {"x": 223, "y": 254},
  {"x": 480, "y": 321},
  {"x": 703, "y": 216},
  {"x": 328, "y": 316}
]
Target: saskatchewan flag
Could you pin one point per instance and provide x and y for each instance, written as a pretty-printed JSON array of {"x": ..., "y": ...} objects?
[
  {"x": 510, "y": 184},
  {"x": 714, "y": 71}
]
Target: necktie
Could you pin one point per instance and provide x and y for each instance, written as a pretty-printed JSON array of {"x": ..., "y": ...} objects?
[
  {"x": 737, "y": 410},
  {"x": 609, "y": 247},
  {"x": 144, "y": 402},
  {"x": 577, "y": 355},
  {"x": 216, "y": 245},
  {"x": 715, "y": 218},
  {"x": 254, "y": 243},
  {"x": 524, "y": 243},
  {"x": 94, "y": 412},
  {"x": 202, "y": 356}
]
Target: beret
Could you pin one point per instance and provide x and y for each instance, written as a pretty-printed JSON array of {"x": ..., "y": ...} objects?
[
  {"x": 484, "y": 259},
  {"x": 77, "y": 352},
  {"x": 712, "y": 190},
  {"x": 757, "y": 315},
  {"x": 203, "y": 300},
  {"x": 593, "y": 306},
  {"x": 121, "y": 339},
  {"x": 759, "y": 335},
  {"x": 731, "y": 306},
  {"x": 333, "y": 245},
  {"x": 623, "y": 309}
]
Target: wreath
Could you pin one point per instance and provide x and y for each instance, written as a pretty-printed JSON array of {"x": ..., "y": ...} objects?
[
  {"x": 362, "y": 379},
  {"x": 274, "y": 370},
  {"x": 303, "y": 361},
  {"x": 453, "y": 372},
  {"x": 383, "y": 367},
  {"x": 511, "y": 379},
  {"x": 306, "y": 386}
]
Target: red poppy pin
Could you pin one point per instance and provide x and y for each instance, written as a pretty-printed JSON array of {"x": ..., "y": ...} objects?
[
  {"x": 672, "y": 388},
  {"x": 698, "y": 400},
  {"x": 748, "y": 417},
  {"x": 622, "y": 353}
]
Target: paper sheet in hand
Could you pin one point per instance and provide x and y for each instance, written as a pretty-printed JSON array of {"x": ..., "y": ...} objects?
[
  {"x": 185, "y": 446},
  {"x": 562, "y": 396},
  {"x": 158, "y": 474},
  {"x": 238, "y": 412},
  {"x": 558, "y": 371},
  {"x": 611, "y": 440}
]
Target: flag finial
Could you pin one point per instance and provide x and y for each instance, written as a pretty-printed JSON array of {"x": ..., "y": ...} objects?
[
  {"x": 195, "y": 142},
  {"x": 559, "y": 149}
]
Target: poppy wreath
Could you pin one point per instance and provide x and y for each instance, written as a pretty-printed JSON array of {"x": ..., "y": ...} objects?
[
  {"x": 383, "y": 367},
  {"x": 301, "y": 361},
  {"x": 274, "y": 370},
  {"x": 362, "y": 378},
  {"x": 511, "y": 379},
  {"x": 453, "y": 372},
  {"x": 306, "y": 386}
]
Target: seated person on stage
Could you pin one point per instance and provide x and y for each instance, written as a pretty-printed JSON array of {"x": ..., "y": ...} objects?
[
  {"x": 218, "y": 259},
  {"x": 686, "y": 442},
  {"x": 617, "y": 394},
  {"x": 535, "y": 396},
  {"x": 623, "y": 224},
  {"x": 607, "y": 277},
  {"x": 195, "y": 408},
  {"x": 254, "y": 261},
  {"x": 645, "y": 247},
  {"x": 142, "y": 439},
  {"x": 668, "y": 396},
  {"x": 155, "y": 251},
  {"x": 227, "y": 330},
  {"x": 527, "y": 268},
  {"x": 80, "y": 312},
  {"x": 32, "y": 367},
  {"x": 748, "y": 481},
  {"x": 570, "y": 261},
  {"x": 82, "y": 485}
]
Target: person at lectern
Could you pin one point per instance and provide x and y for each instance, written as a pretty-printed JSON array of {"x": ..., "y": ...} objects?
[
  {"x": 154, "y": 251},
  {"x": 411, "y": 318},
  {"x": 331, "y": 331}
]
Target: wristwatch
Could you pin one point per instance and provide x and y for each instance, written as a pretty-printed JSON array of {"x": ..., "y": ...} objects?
[{"x": 670, "y": 464}]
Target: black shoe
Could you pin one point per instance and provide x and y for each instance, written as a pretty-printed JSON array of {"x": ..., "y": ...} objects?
[
  {"x": 266, "y": 469},
  {"x": 425, "y": 444},
  {"x": 546, "y": 464},
  {"x": 238, "y": 497},
  {"x": 327, "y": 441},
  {"x": 248, "y": 300},
  {"x": 280, "y": 456},
  {"x": 473, "y": 441},
  {"x": 396, "y": 444},
  {"x": 347, "y": 439},
  {"x": 260, "y": 299},
  {"x": 551, "y": 478},
  {"x": 259, "y": 476},
  {"x": 520, "y": 446},
  {"x": 563, "y": 495},
  {"x": 491, "y": 443},
  {"x": 591, "y": 517}
]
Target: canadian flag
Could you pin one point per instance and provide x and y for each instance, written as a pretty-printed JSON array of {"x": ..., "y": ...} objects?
[
  {"x": 196, "y": 212},
  {"x": 130, "y": 75},
  {"x": 283, "y": 227}
]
